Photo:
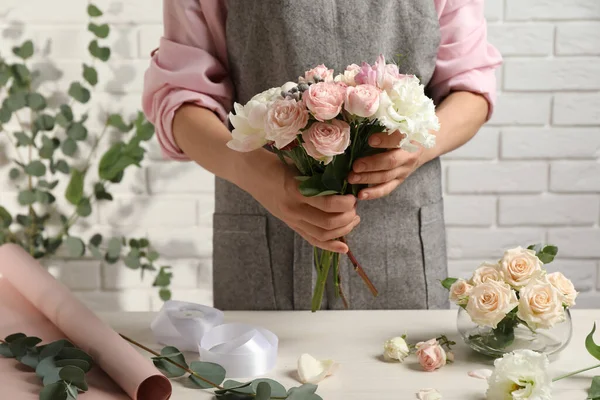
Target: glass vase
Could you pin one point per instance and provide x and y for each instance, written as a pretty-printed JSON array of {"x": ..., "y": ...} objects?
[{"x": 511, "y": 335}]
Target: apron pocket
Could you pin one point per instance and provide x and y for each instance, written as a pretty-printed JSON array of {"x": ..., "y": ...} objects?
[
  {"x": 433, "y": 240},
  {"x": 242, "y": 278}
]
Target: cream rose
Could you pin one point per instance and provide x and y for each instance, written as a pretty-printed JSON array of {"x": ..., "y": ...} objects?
[
  {"x": 395, "y": 349},
  {"x": 459, "y": 292},
  {"x": 284, "y": 120},
  {"x": 564, "y": 286},
  {"x": 322, "y": 141},
  {"x": 541, "y": 304},
  {"x": 431, "y": 355},
  {"x": 348, "y": 76},
  {"x": 490, "y": 301},
  {"x": 519, "y": 265},
  {"x": 486, "y": 272}
]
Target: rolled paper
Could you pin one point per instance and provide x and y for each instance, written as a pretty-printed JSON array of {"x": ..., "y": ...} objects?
[
  {"x": 245, "y": 351},
  {"x": 33, "y": 302}
]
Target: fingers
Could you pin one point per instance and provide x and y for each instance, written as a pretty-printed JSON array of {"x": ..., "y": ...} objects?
[
  {"x": 385, "y": 140},
  {"x": 372, "y": 178},
  {"x": 378, "y": 191},
  {"x": 384, "y": 161},
  {"x": 331, "y": 204},
  {"x": 325, "y": 220},
  {"x": 333, "y": 245},
  {"x": 325, "y": 235}
]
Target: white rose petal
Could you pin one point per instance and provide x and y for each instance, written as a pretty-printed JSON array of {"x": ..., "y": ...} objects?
[
  {"x": 429, "y": 394},
  {"x": 395, "y": 349},
  {"x": 481, "y": 373},
  {"x": 311, "y": 370},
  {"x": 523, "y": 375}
]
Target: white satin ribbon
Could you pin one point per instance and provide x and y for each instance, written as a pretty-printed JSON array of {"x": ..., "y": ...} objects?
[{"x": 245, "y": 351}]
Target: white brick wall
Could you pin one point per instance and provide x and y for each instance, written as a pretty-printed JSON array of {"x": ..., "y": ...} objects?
[{"x": 532, "y": 174}]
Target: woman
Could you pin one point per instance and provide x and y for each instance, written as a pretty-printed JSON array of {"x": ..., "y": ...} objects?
[{"x": 215, "y": 52}]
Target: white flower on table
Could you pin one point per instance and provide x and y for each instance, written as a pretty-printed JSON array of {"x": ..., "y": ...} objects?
[
  {"x": 395, "y": 349},
  {"x": 519, "y": 266},
  {"x": 311, "y": 370},
  {"x": 541, "y": 304},
  {"x": 489, "y": 303},
  {"x": 429, "y": 394},
  {"x": 521, "y": 375}
]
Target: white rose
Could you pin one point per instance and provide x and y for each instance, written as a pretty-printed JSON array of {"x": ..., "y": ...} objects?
[
  {"x": 490, "y": 302},
  {"x": 564, "y": 286},
  {"x": 407, "y": 109},
  {"x": 311, "y": 370},
  {"x": 522, "y": 375},
  {"x": 348, "y": 76},
  {"x": 519, "y": 265},
  {"x": 486, "y": 272},
  {"x": 395, "y": 349},
  {"x": 249, "y": 121},
  {"x": 540, "y": 304},
  {"x": 459, "y": 292}
]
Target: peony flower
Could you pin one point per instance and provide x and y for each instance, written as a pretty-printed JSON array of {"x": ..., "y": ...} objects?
[
  {"x": 429, "y": 394},
  {"x": 521, "y": 375},
  {"x": 324, "y": 100},
  {"x": 564, "y": 286},
  {"x": 311, "y": 370},
  {"x": 395, "y": 349},
  {"x": 380, "y": 74},
  {"x": 489, "y": 303},
  {"x": 284, "y": 120},
  {"x": 486, "y": 272},
  {"x": 324, "y": 140},
  {"x": 347, "y": 77},
  {"x": 519, "y": 265},
  {"x": 540, "y": 304},
  {"x": 362, "y": 100},
  {"x": 459, "y": 292},
  {"x": 249, "y": 121},
  {"x": 407, "y": 109},
  {"x": 431, "y": 355},
  {"x": 321, "y": 72}
]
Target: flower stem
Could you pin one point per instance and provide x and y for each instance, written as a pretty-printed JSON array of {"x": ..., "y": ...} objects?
[
  {"x": 361, "y": 272},
  {"x": 323, "y": 271},
  {"x": 574, "y": 373}
]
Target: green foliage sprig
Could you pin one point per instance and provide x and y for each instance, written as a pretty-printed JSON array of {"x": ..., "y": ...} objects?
[
  {"x": 206, "y": 375},
  {"x": 60, "y": 365},
  {"x": 52, "y": 139}
]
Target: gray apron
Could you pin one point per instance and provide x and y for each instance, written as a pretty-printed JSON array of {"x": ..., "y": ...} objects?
[{"x": 261, "y": 264}]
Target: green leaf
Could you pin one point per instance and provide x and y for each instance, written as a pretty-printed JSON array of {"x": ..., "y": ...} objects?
[
  {"x": 164, "y": 294},
  {"x": 70, "y": 353},
  {"x": 16, "y": 101},
  {"x": 168, "y": 369},
  {"x": 132, "y": 260},
  {"x": 152, "y": 256},
  {"x": 82, "y": 364},
  {"x": 448, "y": 282},
  {"x": 535, "y": 247},
  {"x": 5, "y": 114},
  {"x": 44, "y": 184},
  {"x": 94, "y": 11},
  {"x": 277, "y": 389},
  {"x": 74, "y": 192},
  {"x": 14, "y": 173},
  {"x": 22, "y": 77},
  {"x": 23, "y": 139},
  {"x": 77, "y": 131},
  {"x": 545, "y": 258},
  {"x": 75, "y": 246},
  {"x": 26, "y": 197},
  {"x": 95, "y": 252},
  {"x": 19, "y": 347},
  {"x": 5, "y": 218},
  {"x": 84, "y": 208},
  {"x": 72, "y": 392},
  {"x": 591, "y": 346},
  {"x": 303, "y": 392},
  {"x": 312, "y": 186},
  {"x": 102, "y": 53},
  {"x": 79, "y": 93},
  {"x": 144, "y": 129},
  {"x": 5, "y": 351},
  {"x": 101, "y": 31},
  {"x": 48, "y": 147},
  {"x": 116, "y": 120},
  {"x": 336, "y": 173},
  {"x": 62, "y": 166},
  {"x": 31, "y": 358},
  {"x": 96, "y": 240},
  {"x": 209, "y": 371},
  {"x": 552, "y": 250},
  {"x": 35, "y": 101},
  {"x": 65, "y": 116},
  {"x": 74, "y": 375},
  {"x": 46, "y": 365},
  {"x": 263, "y": 391},
  {"x": 44, "y": 122},
  {"x": 163, "y": 278},
  {"x": 24, "y": 51},
  {"x": 51, "y": 377},
  {"x": 35, "y": 168},
  {"x": 24, "y": 220},
  {"x": 44, "y": 197},
  {"x": 594, "y": 392},
  {"x": 54, "y": 391},
  {"x": 239, "y": 387},
  {"x": 114, "y": 247},
  {"x": 14, "y": 336},
  {"x": 52, "y": 349},
  {"x": 90, "y": 74}
]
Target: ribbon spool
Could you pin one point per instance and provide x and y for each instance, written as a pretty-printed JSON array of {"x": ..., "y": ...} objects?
[{"x": 245, "y": 351}]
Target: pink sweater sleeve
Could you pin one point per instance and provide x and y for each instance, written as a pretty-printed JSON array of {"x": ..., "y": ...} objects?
[
  {"x": 190, "y": 66},
  {"x": 465, "y": 61}
]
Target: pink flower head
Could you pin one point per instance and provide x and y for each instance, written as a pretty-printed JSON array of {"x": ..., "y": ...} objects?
[
  {"x": 320, "y": 72},
  {"x": 362, "y": 100},
  {"x": 431, "y": 355},
  {"x": 379, "y": 74},
  {"x": 366, "y": 76},
  {"x": 324, "y": 140},
  {"x": 285, "y": 118},
  {"x": 325, "y": 100}
]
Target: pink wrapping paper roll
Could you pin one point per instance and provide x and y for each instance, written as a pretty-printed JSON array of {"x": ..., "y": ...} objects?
[{"x": 33, "y": 302}]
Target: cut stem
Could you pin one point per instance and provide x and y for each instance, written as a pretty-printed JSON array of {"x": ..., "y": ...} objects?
[
  {"x": 361, "y": 272},
  {"x": 574, "y": 373}
]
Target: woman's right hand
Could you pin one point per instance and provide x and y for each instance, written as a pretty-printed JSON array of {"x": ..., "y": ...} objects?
[{"x": 320, "y": 220}]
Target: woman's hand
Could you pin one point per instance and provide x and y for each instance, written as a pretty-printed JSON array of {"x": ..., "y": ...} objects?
[
  {"x": 385, "y": 171},
  {"x": 319, "y": 220}
]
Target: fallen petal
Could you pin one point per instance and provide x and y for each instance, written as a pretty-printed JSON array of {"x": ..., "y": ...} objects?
[
  {"x": 429, "y": 394},
  {"x": 311, "y": 370},
  {"x": 481, "y": 373}
]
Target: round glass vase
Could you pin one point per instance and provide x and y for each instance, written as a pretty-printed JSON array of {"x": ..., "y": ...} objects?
[{"x": 511, "y": 335}]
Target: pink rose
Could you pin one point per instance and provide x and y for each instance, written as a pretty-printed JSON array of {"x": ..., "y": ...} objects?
[
  {"x": 366, "y": 76},
  {"x": 362, "y": 100},
  {"x": 285, "y": 118},
  {"x": 380, "y": 74},
  {"x": 431, "y": 355},
  {"x": 324, "y": 140},
  {"x": 325, "y": 100},
  {"x": 320, "y": 72}
]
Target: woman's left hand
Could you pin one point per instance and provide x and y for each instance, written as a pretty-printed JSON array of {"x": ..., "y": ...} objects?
[{"x": 386, "y": 171}]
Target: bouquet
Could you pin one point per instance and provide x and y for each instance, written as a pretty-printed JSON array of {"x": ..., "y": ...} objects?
[
  {"x": 322, "y": 123},
  {"x": 515, "y": 291}
]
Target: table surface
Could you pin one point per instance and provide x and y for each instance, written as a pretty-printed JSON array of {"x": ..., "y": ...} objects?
[{"x": 355, "y": 340}]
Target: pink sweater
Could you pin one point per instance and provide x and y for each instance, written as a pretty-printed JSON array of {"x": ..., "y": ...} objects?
[{"x": 191, "y": 66}]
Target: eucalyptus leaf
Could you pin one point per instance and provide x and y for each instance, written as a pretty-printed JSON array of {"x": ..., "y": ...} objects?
[
  {"x": 84, "y": 208},
  {"x": 16, "y": 101},
  {"x": 68, "y": 147},
  {"x": 69, "y": 353},
  {"x": 23, "y": 139},
  {"x": 35, "y": 101},
  {"x": 65, "y": 116},
  {"x": 163, "y": 278},
  {"x": 74, "y": 191},
  {"x": 31, "y": 358},
  {"x": 26, "y": 197},
  {"x": 14, "y": 336},
  {"x": 82, "y": 364},
  {"x": 54, "y": 391},
  {"x": 74, "y": 375},
  {"x": 5, "y": 351},
  {"x": 79, "y": 93},
  {"x": 168, "y": 369},
  {"x": 594, "y": 392},
  {"x": 96, "y": 240},
  {"x": 132, "y": 260},
  {"x": 209, "y": 371},
  {"x": 75, "y": 246},
  {"x": 95, "y": 252},
  {"x": 93, "y": 11},
  {"x": 90, "y": 74},
  {"x": 42, "y": 183},
  {"x": 545, "y": 258},
  {"x": 144, "y": 243},
  {"x": 5, "y": 218},
  {"x": 20, "y": 346},
  {"x": 51, "y": 377},
  {"x": 24, "y": 220},
  {"x": 14, "y": 173},
  {"x": 116, "y": 120},
  {"x": 152, "y": 256},
  {"x": 164, "y": 294},
  {"x": 114, "y": 247},
  {"x": 46, "y": 365},
  {"x": 448, "y": 282},
  {"x": 5, "y": 114},
  {"x": 101, "y": 31},
  {"x": 43, "y": 197},
  {"x": 239, "y": 387},
  {"x": 303, "y": 392},
  {"x": 263, "y": 391},
  {"x": 44, "y": 122},
  {"x": 277, "y": 389},
  {"x": 102, "y": 53},
  {"x": 22, "y": 77},
  {"x": 25, "y": 50},
  {"x": 77, "y": 131},
  {"x": 52, "y": 349},
  {"x": 35, "y": 168},
  {"x": 63, "y": 167}
]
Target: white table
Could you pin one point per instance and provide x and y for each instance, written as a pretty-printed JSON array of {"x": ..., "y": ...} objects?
[{"x": 355, "y": 339}]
